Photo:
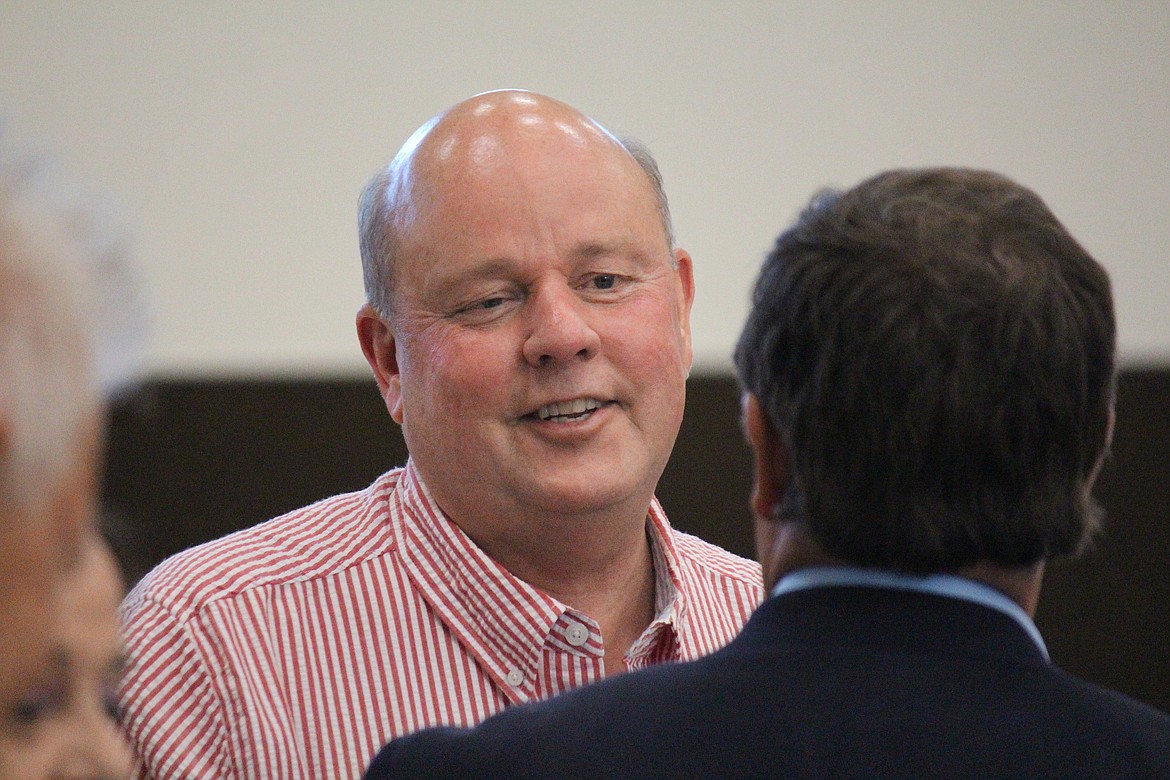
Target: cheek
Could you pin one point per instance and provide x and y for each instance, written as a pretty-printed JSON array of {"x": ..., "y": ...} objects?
[
  {"x": 29, "y": 756},
  {"x": 455, "y": 376},
  {"x": 648, "y": 343}
]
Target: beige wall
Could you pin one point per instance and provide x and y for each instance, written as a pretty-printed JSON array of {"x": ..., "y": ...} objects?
[{"x": 237, "y": 134}]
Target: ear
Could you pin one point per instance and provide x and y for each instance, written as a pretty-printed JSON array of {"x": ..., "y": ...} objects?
[
  {"x": 770, "y": 467},
  {"x": 775, "y": 539},
  {"x": 380, "y": 348},
  {"x": 686, "y": 277}
]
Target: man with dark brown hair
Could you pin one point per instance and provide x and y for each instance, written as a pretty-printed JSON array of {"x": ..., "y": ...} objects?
[{"x": 928, "y": 374}]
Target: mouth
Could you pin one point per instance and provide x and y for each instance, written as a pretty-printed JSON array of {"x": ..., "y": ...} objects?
[{"x": 568, "y": 411}]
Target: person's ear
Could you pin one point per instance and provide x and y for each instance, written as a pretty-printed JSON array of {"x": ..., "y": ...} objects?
[
  {"x": 770, "y": 477},
  {"x": 686, "y": 297},
  {"x": 770, "y": 470},
  {"x": 380, "y": 348}
]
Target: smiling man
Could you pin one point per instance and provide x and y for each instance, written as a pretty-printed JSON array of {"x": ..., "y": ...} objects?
[{"x": 527, "y": 322}]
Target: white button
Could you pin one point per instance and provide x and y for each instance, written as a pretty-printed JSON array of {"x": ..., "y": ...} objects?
[
  {"x": 577, "y": 635},
  {"x": 515, "y": 678}
]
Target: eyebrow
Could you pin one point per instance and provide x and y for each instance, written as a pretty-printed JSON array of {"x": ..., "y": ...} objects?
[
  {"x": 591, "y": 249},
  {"x": 496, "y": 266},
  {"x": 489, "y": 268}
]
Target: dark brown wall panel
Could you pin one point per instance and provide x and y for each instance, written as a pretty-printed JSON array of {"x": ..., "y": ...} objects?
[
  {"x": 1106, "y": 616},
  {"x": 192, "y": 460}
]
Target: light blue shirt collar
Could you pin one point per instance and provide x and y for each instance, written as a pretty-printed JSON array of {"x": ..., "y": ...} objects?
[{"x": 937, "y": 584}]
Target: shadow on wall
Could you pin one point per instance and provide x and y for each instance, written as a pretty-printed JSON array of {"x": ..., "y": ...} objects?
[{"x": 192, "y": 460}]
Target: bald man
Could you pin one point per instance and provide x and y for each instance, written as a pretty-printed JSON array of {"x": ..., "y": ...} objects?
[{"x": 527, "y": 323}]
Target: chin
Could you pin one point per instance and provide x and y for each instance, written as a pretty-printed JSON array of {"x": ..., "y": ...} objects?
[{"x": 583, "y": 496}]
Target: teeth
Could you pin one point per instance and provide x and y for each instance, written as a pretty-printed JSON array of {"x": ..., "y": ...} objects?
[{"x": 567, "y": 410}]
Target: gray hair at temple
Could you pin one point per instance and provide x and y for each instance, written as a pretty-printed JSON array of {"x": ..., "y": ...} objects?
[
  {"x": 70, "y": 321},
  {"x": 384, "y": 202}
]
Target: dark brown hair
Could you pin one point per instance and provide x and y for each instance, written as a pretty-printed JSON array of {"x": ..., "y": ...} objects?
[{"x": 937, "y": 353}]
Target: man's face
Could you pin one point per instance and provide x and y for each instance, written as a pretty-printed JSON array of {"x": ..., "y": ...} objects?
[
  {"x": 67, "y": 726},
  {"x": 541, "y": 333}
]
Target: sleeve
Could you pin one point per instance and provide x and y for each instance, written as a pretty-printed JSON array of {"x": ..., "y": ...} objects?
[{"x": 169, "y": 705}]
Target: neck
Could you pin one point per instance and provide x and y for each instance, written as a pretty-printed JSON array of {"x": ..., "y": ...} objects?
[
  {"x": 792, "y": 548},
  {"x": 600, "y": 565},
  {"x": 619, "y": 597},
  {"x": 1020, "y": 584}
]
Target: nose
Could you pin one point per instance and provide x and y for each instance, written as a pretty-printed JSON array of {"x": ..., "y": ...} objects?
[{"x": 559, "y": 328}]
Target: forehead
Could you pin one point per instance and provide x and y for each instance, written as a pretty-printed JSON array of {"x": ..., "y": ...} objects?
[{"x": 494, "y": 195}]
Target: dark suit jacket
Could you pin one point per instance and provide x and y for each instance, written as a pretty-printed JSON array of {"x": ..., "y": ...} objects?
[{"x": 831, "y": 682}]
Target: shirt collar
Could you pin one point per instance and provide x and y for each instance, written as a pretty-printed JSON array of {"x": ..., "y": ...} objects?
[
  {"x": 670, "y": 604},
  {"x": 947, "y": 585},
  {"x": 502, "y": 619}
]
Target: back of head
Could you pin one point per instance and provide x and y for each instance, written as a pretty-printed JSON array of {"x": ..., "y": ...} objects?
[{"x": 937, "y": 354}]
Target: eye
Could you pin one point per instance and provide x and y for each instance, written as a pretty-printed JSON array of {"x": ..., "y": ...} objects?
[
  {"x": 604, "y": 281},
  {"x": 481, "y": 311},
  {"x": 36, "y": 705},
  {"x": 482, "y": 305},
  {"x": 112, "y": 708}
]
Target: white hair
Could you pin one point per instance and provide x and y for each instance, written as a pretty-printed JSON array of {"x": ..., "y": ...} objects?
[{"x": 61, "y": 267}]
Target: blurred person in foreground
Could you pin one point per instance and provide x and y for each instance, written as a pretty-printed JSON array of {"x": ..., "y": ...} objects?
[
  {"x": 527, "y": 323},
  {"x": 69, "y": 725},
  {"x": 55, "y": 247},
  {"x": 928, "y": 375}
]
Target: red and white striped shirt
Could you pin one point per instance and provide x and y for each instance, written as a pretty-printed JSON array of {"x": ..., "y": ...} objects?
[{"x": 298, "y": 647}]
